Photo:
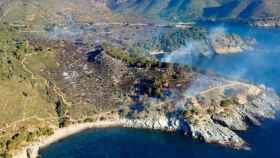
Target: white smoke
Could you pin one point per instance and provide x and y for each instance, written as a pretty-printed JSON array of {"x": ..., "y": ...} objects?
[
  {"x": 194, "y": 49},
  {"x": 64, "y": 33},
  {"x": 70, "y": 31},
  {"x": 190, "y": 53},
  {"x": 217, "y": 31}
]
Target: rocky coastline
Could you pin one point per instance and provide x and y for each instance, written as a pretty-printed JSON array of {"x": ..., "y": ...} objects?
[
  {"x": 32, "y": 150},
  {"x": 211, "y": 128}
]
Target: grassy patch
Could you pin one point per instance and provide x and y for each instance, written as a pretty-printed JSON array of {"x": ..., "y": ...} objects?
[{"x": 25, "y": 101}]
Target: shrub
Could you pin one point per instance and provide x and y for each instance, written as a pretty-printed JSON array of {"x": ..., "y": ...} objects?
[
  {"x": 174, "y": 40},
  {"x": 227, "y": 102},
  {"x": 31, "y": 136},
  {"x": 2, "y": 147},
  {"x": 61, "y": 112},
  {"x": 45, "y": 131},
  {"x": 64, "y": 122},
  {"x": 191, "y": 115},
  {"x": 89, "y": 120},
  {"x": 190, "y": 112},
  {"x": 17, "y": 140},
  {"x": 23, "y": 136},
  {"x": 6, "y": 155}
]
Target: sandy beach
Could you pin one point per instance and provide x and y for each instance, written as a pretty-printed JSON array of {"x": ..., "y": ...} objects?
[{"x": 31, "y": 151}]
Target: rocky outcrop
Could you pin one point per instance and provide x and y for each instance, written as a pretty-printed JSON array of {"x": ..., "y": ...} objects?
[
  {"x": 235, "y": 121},
  {"x": 204, "y": 127},
  {"x": 153, "y": 122},
  {"x": 212, "y": 109},
  {"x": 211, "y": 132},
  {"x": 222, "y": 107},
  {"x": 218, "y": 126},
  {"x": 263, "y": 106},
  {"x": 158, "y": 121},
  {"x": 207, "y": 131}
]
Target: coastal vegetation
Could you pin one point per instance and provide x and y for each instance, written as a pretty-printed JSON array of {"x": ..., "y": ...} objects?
[
  {"x": 23, "y": 137},
  {"x": 26, "y": 101}
]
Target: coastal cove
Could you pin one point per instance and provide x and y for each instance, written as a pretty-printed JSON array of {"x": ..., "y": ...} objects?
[
  {"x": 132, "y": 78},
  {"x": 134, "y": 143}
]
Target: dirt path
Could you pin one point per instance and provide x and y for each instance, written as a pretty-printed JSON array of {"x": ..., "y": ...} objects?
[
  {"x": 27, "y": 119},
  {"x": 231, "y": 84},
  {"x": 46, "y": 82},
  {"x": 123, "y": 24}
]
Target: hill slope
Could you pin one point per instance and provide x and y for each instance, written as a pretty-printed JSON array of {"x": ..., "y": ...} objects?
[
  {"x": 194, "y": 9},
  {"x": 245, "y": 9},
  {"x": 170, "y": 9}
]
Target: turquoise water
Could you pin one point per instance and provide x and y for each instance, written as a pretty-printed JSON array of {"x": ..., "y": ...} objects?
[{"x": 261, "y": 66}]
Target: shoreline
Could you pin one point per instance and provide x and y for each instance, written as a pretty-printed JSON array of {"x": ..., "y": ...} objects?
[
  {"x": 65, "y": 132},
  {"x": 162, "y": 124},
  {"x": 32, "y": 150}
]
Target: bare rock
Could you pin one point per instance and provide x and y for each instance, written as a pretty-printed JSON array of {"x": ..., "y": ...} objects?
[{"x": 211, "y": 132}]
